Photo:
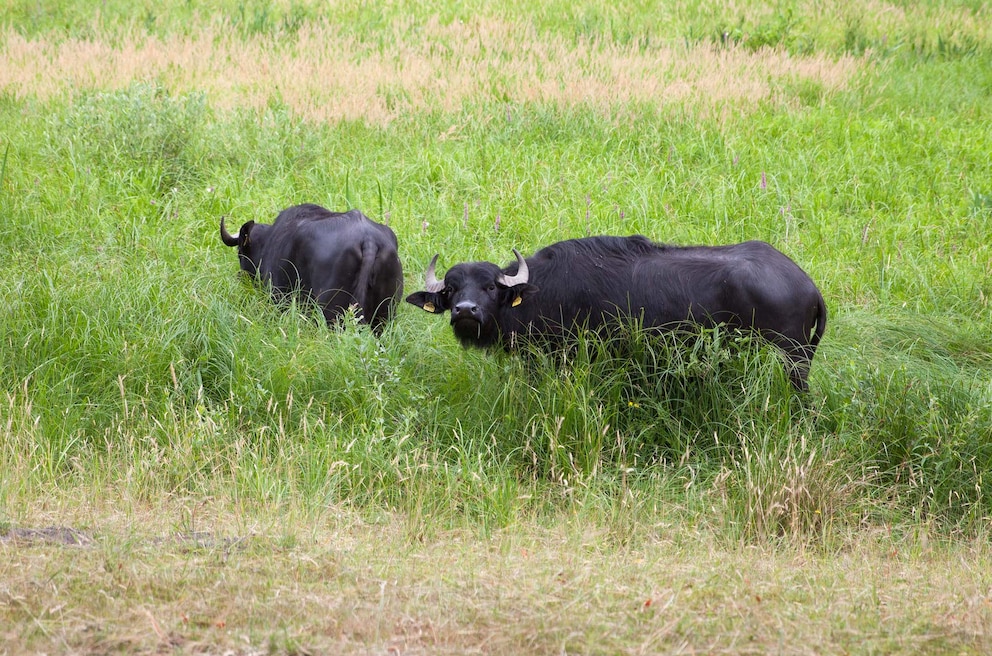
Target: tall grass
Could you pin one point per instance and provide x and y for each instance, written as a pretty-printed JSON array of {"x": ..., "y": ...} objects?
[
  {"x": 133, "y": 358},
  {"x": 650, "y": 493}
]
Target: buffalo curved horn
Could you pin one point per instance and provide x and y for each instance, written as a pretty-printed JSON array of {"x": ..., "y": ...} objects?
[
  {"x": 226, "y": 237},
  {"x": 432, "y": 284},
  {"x": 522, "y": 275}
]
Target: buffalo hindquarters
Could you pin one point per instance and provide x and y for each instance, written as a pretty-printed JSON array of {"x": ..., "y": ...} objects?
[{"x": 335, "y": 259}]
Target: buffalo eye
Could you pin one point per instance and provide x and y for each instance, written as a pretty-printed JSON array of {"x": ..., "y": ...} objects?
[{"x": 491, "y": 288}]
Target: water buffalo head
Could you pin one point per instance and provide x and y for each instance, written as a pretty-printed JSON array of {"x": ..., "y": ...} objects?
[
  {"x": 249, "y": 240},
  {"x": 478, "y": 295}
]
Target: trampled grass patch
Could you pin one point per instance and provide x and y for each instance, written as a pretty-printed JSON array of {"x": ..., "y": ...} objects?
[{"x": 244, "y": 478}]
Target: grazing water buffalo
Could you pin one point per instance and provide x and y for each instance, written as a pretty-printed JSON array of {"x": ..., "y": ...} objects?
[
  {"x": 335, "y": 259},
  {"x": 598, "y": 281}
]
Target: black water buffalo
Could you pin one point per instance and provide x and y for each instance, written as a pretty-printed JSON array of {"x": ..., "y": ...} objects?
[
  {"x": 335, "y": 259},
  {"x": 595, "y": 281}
]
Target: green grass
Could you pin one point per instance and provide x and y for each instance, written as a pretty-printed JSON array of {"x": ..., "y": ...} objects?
[{"x": 149, "y": 391}]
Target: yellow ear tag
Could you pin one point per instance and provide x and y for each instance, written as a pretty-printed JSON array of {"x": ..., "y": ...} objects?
[
  {"x": 429, "y": 306},
  {"x": 517, "y": 301}
]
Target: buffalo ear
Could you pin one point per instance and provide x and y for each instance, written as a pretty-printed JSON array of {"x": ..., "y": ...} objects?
[
  {"x": 428, "y": 301},
  {"x": 519, "y": 293},
  {"x": 245, "y": 234}
]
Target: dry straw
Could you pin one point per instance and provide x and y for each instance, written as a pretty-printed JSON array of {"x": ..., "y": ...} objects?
[{"x": 324, "y": 74}]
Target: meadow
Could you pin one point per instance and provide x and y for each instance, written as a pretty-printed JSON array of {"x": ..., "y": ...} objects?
[{"x": 186, "y": 468}]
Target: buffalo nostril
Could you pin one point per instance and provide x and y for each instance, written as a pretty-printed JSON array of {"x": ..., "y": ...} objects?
[{"x": 465, "y": 309}]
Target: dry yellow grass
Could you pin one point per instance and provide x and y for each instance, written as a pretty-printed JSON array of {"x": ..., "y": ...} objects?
[
  {"x": 325, "y": 75},
  {"x": 343, "y": 585}
]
